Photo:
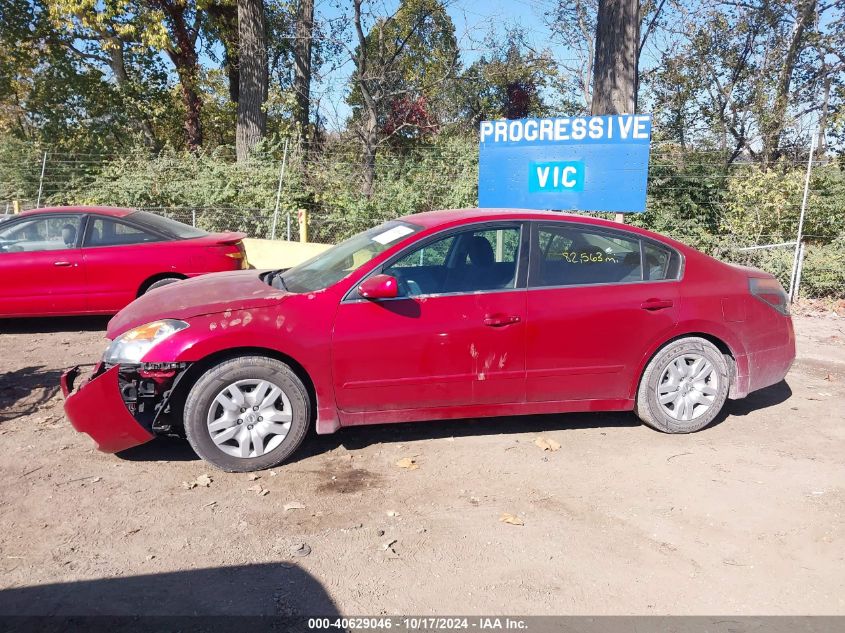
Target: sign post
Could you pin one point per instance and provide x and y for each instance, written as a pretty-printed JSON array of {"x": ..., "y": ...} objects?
[{"x": 595, "y": 163}]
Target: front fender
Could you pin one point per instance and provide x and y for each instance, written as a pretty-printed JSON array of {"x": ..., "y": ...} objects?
[{"x": 303, "y": 335}]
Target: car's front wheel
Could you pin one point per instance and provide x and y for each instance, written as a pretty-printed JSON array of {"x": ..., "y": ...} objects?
[
  {"x": 684, "y": 387},
  {"x": 248, "y": 413}
]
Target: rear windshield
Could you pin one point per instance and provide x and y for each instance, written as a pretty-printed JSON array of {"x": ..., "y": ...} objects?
[{"x": 164, "y": 225}]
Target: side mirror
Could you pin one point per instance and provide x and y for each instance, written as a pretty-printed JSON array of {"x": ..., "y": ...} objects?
[{"x": 379, "y": 287}]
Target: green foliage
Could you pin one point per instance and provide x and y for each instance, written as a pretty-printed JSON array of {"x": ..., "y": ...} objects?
[
  {"x": 823, "y": 274},
  {"x": 508, "y": 82},
  {"x": 692, "y": 196},
  {"x": 409, "y": 55},
  {"x": 765, "y": 205},
  {"x": 441, "y": 175},
  {"x": 226, "y": 195},
  {"x": 18, "y": 177},
  {"x": 685, "y": 196}
]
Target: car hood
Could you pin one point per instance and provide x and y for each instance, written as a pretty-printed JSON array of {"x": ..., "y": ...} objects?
[{"x": 207, "y": 294}]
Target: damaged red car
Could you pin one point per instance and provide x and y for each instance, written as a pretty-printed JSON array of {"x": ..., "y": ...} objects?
[
  {"x": 63, "y": 261},
  {"x": 449, "y": 314}
]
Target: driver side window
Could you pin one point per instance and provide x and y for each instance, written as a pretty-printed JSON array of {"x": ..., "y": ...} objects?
[
  {"x": 470, "y": 261},
  {"x": 46, "y": 233}
]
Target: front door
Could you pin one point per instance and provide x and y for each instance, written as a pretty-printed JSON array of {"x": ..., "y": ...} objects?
[
  {"x": 594, "y": 310},
  {"x": 455, "y": 336},
  {"x": 116, "y": 264},
  {"x": 41, "y": 269}
]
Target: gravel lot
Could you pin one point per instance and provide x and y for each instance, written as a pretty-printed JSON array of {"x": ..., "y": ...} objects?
[{"x": 745, "y": 517}]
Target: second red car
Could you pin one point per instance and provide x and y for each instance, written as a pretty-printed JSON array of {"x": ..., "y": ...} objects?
[{"x": 95, "y": 260}]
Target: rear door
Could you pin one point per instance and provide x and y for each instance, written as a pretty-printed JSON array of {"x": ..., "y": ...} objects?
[
  {"x": 454, "y": 337},
  {"x": 594, "y": 310},
  {"x": 41, "y": 267}
]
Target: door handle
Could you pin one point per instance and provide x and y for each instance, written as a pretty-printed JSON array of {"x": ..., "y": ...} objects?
[
  {"x": 500, "y": 320},
  {"x": 61, "y": 263},
  {"x": 656, "y": 304}
]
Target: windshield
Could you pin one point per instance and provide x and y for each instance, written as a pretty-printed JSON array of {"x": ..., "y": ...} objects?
[
  {"x": 165, "y": 225},
  {"x": 331, "y": 266}
]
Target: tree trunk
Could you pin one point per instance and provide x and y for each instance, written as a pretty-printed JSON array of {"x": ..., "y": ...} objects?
[
  {"x": 117, "y": 63},
  {"x": 369, "y": 126},
  {"x": 225, "y": 17},
  {"x": 617, "y": 50},
  {"x": 302, "y": 60},
  {"x": 777, "y": 119},
  {"x": 183, "y": 54},
  {"x": 252, "y": 92},
  {"x": 370, "y": 142},
  {"x": 821, "y": 143}
]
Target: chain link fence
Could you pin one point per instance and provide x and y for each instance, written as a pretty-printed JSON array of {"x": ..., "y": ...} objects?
[{"x": 736, "y": 212}]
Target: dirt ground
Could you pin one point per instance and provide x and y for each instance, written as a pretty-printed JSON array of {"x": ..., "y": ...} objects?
[{"x": 745, "y": 517}]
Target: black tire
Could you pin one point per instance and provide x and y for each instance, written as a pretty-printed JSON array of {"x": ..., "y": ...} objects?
[
  {"x": 161, "y": 282},
  {"x": 201, "y": 399},
  {"x": 648, "y": 408}
]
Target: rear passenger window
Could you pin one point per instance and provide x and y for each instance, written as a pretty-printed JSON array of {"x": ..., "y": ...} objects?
[
  {"x": 105, "y": 232},
  {"x": 660, "y": 263},
  {"x": 573, "y": 256}
]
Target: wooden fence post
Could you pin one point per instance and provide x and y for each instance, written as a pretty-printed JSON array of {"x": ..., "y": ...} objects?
[{"x": 302, "y": 216}]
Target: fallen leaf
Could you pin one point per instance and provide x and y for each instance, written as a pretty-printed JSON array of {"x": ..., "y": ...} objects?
[
  {"x": 547, "y": 444},
  {"x": 389, "y": 545},
  {"x": 407, "y": 463},
  {"x": 257, "y": 489},
  {"x": 511, "y": 519},
  {"x": 203, "y": 480},
  {"x": 294, "y": 505},
  {"x": 264, "y": 493},
  {"x": 188, "y": 485},
  {"x": 96, "y": 479}
]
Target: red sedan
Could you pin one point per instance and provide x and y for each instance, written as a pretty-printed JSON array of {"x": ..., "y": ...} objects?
[
  {"x": 95, "y": 260},
  {"x": 449, "y": 314}
]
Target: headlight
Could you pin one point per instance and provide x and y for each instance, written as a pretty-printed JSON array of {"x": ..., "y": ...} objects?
[{"x": 131, "y": 346}]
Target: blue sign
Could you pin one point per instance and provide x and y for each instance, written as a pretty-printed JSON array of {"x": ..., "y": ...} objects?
[{"x": 597, "y": 163}]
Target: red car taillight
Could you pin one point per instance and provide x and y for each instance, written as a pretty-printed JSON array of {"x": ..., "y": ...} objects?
[
  {"x": 771, "y": 292},
  {"x": 241, "y": 254}
]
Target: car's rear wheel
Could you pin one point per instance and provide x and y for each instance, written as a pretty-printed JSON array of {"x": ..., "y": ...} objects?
[
  {"x": 684, "y": 387},
  {"x": 247, "y": 413},
  {"x": 166, "y": 281}
]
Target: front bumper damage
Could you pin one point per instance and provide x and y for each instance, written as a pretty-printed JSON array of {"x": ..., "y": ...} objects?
[{"x": 122, "y": 406}]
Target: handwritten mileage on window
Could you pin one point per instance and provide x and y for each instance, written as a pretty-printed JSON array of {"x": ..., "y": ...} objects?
[{"x": 585, "y": 258}]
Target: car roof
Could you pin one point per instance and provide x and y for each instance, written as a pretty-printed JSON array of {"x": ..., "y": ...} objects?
[
  {"x": 117, "y": 212},
  {"x": 446, "y": 217}
]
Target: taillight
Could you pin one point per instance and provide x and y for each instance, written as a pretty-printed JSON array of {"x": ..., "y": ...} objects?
[
  {"x": 241, "y": 254},
  {"x": 771, "y": 292}
]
